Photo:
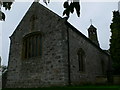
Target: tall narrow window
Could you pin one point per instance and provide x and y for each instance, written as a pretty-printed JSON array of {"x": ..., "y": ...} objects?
[
  {"x": 81, "y": 59},
  {"x": 32, "y": 45}
]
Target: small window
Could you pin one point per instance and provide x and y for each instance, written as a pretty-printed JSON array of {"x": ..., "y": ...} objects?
[
  {"x": 81, "y": 59},
  {"x": 32, "y": 45}
]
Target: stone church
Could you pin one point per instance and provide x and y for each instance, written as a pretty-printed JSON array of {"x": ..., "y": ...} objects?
[{"x": 46, "y": 50}]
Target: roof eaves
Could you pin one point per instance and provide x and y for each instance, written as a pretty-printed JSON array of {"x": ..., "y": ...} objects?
[{"x": 78, "y": 32}]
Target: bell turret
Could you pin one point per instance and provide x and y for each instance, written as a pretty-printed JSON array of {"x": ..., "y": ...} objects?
[{"x": 92, "y": 34}]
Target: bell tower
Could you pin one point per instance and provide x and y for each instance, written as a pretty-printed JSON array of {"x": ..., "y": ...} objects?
[{"x": 92, "y": 34}]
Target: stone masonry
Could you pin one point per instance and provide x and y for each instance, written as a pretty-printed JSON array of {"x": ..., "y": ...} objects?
[{"x": 58, "y": 63}]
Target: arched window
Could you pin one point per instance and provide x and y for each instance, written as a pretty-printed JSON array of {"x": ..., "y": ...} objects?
[
  {"x": 32, "y": 45},
  {"x": 81, "y": 59}
]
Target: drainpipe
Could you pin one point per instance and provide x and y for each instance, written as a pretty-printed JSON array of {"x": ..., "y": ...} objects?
[{"x": 69, "y": 75}]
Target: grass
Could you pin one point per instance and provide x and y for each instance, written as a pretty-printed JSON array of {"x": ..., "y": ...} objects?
[
  {"x": 89, "y": 86},
  {"x": 84, "y": 87}
]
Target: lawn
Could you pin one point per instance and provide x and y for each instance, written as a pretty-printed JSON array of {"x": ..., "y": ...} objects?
[{"x": 85, "y": 87}]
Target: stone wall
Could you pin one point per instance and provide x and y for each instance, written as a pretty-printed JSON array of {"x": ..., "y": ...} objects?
[
  {"x": 48, "y": 69},
  {"x": 93, "y": 58},
  {"x": 116, "y": 79}
]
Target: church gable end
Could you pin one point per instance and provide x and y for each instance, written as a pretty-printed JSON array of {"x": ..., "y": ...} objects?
[
  {"x": 37, "y": 18},
  {"x": 36, "y": 50}
]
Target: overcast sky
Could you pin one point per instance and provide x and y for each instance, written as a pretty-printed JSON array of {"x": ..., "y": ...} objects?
[{"x": 100, "y": 13}]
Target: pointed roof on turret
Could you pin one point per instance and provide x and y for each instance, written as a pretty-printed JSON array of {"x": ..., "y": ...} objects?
[{"x": 91, "y": 26}]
